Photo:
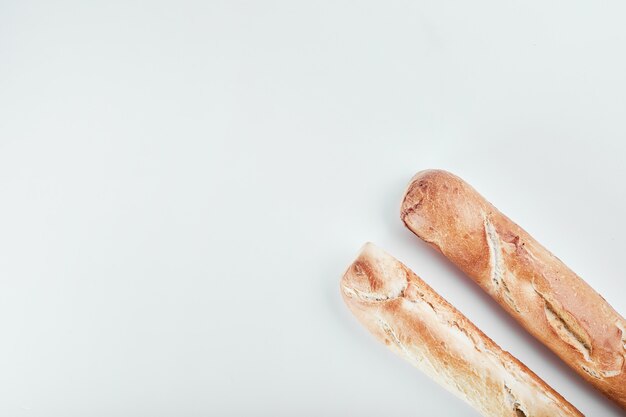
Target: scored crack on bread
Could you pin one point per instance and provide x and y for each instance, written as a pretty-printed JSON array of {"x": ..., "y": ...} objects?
[
  {"x": 532, "y": 285},
  {"x": 403, "y": 312}
]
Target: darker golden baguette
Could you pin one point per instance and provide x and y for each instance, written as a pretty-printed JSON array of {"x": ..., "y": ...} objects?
[{"x": 546, "y": 297}]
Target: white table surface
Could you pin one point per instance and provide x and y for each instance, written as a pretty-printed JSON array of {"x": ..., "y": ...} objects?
[{"x": 183, "y": 183}]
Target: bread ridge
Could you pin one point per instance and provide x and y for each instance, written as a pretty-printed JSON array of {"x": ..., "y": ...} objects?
[
  {"x": 535, "y": 287},
  {"x": 403, "y": 312}
]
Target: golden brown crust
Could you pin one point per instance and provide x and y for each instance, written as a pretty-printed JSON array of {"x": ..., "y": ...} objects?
[
  {"x": 415, "y": 322},
  {"x": 534, "y": 286}
]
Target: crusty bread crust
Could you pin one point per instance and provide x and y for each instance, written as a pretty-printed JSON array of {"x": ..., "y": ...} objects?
[
  {"x": 532, "y": 285},
  {"x": 416, "y": 323}
]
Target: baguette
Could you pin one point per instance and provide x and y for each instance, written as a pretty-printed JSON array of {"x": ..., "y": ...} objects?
[
  {"x": 547, "y": 298},
  {"x": 423, "y": 328}
]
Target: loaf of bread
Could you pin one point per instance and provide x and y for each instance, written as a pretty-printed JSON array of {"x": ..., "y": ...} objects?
[
  {"x": 419, "y": 325},
  {"x": 532, "y": 285}
]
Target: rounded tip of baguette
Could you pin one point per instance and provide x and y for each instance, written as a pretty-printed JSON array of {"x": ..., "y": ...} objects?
[
  {"x": 373, "y": 276},
  {"x": 420, "y": 193},
  {"x": 417, "y": 187}
]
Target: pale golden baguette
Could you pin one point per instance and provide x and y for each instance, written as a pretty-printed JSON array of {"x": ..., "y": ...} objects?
[
  {"x": 416, "y": 323},
  {"x": 532, "y": 285}
]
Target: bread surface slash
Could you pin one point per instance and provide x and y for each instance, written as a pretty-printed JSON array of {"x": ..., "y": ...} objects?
[
  {"x": 408, "y": 316},
  {"x": 546, "y": 297}
]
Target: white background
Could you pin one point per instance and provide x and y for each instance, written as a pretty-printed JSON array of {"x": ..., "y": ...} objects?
[{"x": 182, "y": 185}]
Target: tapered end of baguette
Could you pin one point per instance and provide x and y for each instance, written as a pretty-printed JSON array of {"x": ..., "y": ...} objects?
[
  {"x": 371, "y": 277},
  {"x": 446, "y": 212},
  {"x": 424, "y": 187}
]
